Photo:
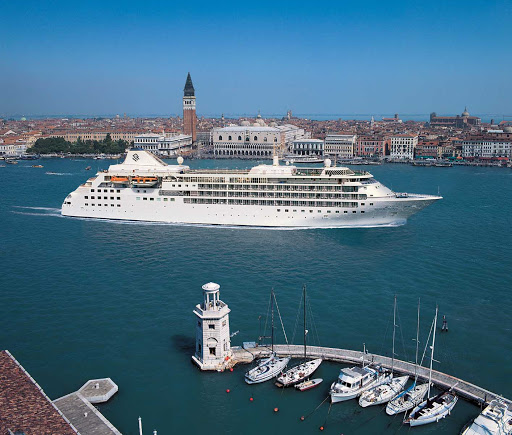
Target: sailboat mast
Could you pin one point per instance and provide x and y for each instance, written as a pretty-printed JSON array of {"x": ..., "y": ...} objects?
[
  {"x": 272, "y": 316},
  {"x": 305, "y": 330},
  {"x": 432, "y": 354},
  {"x": 417, "y": 344},
  {"x": 394, "y": 333}
]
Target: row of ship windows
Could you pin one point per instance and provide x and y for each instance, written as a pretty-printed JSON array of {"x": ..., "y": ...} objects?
[
  {"x": 106, "y": 190},
  {"x": 152, "y": 199},
  {"x": 272, "y": 203},
  {"x": 99, "y": 205},
  {"x": 272, "y": 187},
  {"x": 105, "y": 197}
]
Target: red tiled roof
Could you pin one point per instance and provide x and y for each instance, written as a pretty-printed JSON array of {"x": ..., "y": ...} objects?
[{"x": 23, "y": 404}]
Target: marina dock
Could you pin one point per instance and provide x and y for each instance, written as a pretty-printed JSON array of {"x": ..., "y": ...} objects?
[{"x": 464, "y": 389}]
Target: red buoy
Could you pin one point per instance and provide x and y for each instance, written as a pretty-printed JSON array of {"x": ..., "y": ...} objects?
[
  {"x": 231, "y": 369},
  {"x": 251, "y": 399},
  {"x": 321, "y": 428},
  {"x": 227, "y": 391},
  {"x": 302, "y": 418},
  {"x": 276, "y": 409}
]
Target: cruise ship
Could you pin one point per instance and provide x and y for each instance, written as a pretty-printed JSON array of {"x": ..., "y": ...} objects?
[{"x": 144, "y": 188}]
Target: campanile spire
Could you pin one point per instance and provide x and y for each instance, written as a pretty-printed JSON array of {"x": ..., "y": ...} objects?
[{"x": 189, "y": 109}]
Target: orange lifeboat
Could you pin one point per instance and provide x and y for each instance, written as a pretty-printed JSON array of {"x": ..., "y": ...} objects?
[
  {"x": 144, "y": 181},
  {"x": 119, "y": 180}
]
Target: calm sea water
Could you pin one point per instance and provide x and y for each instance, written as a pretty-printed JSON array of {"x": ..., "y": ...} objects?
[{"x": 81, "y": 299}]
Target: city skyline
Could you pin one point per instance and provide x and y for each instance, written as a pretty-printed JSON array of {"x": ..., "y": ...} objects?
[{"x": 333, "y": 59}]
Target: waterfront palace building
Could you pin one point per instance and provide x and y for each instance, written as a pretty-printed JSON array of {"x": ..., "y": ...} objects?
[
  {"x": 164, "y": 144},
  {"x": 255, "y": 140}
]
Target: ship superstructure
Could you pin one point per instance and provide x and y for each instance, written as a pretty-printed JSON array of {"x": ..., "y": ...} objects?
[{"x": 144, "y": 188}]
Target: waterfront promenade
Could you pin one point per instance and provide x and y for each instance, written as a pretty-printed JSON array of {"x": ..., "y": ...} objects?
[{"x": 464, "y": 389}]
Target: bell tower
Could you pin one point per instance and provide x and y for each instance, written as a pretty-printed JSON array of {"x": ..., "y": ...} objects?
[
  {"x": 213, "y": 347},
  {"x": 189, "y": 109}
]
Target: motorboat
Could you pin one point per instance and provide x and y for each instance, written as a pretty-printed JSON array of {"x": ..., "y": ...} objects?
[
  {"x": 352, "y": 382},
  {"x": 307, "y": 385},
  {"x": 495, "y": 419}
]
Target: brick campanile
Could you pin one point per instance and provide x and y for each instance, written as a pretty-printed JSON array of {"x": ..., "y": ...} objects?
[{"x": 189, "y": 109}]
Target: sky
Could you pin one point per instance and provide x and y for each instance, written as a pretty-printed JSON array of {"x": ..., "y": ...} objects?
[{"x": 315, "y": 57}]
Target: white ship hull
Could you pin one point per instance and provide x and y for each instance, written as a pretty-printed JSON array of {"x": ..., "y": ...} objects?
[
  {"x": 383, "y": 213},
  {"x": 265, "y": 196}
]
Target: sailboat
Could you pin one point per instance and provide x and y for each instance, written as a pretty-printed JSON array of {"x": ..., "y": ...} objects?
[
  {"x": 272, "y": 366},
  {"x": 413, "y": 395},
  {"x": 434, "y": 408},
  {"x": 495, "y": 419},
  {"x": 303, "y": 371},
  {"x": 386, "y": 391}
]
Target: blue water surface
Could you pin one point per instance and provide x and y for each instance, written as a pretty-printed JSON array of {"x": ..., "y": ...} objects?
[{"x": 81, "y": 299}]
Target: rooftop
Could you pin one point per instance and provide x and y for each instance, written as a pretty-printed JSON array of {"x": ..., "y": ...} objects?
[{"x": 23, "y": 404}]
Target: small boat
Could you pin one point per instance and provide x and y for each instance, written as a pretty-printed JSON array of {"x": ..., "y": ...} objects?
[
  {"x": 144, "y": 181},
  {"x": 304, "y": 370},
  {"x": 272, "y": 366},
  {"x": 37, "y": 166},
  {"x": 88, "y": 168},
  {"x": 352, "y": 382},
  {"x": 307, "y": 385},
  {"x": 11, "y": 162},
  {"x": 119, "y": 180},
  {"x": 495, "y": 419},
  {"x": 435, "y": 408},
  {"x": 386, "y": 391}
]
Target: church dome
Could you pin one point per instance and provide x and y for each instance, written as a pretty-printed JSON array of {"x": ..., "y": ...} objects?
[
  {"x": 273, "y": 124},
  {"x": 260, "y": 122},
  {"x": 465, "y": 114},
  {"x": 245, "y": 123}
]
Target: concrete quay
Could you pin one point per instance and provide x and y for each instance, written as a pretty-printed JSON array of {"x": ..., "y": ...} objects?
[{"x": 464, "y": 389}]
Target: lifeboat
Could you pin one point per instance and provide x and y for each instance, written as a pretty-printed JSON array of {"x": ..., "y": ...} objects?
[
  {"x": 119, "y": 180},
  {"x": 144, "y": 181}
]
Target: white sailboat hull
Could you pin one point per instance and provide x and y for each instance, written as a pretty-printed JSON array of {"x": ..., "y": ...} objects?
[
  {"x": 383, "y": 393},
  {"x": 298, "y": 373},
  {"x": 266, "y": 370},
  {"x": 441, "y": 410},
  {"x": 407, "y": 400}
]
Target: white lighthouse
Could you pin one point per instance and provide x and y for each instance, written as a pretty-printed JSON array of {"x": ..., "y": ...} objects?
[{"x": 213, "y": 350}]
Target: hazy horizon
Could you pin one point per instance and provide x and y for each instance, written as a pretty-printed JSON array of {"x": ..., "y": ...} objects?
[{"x": 327, "y": 58}]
